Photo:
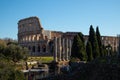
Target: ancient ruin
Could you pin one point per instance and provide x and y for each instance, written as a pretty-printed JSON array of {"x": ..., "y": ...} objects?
[
  {"x": 62, "y": 49},
  {"x": 42, "y": 42}
]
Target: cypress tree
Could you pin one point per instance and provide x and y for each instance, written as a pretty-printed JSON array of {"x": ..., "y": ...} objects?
[
  {"x": 78, "y": 49},
  {"x": 94, "y": 43},
  {"x": 99, "y": 40},
  {"x": 83, "y": 45},
  {"x": 81, "y": 36},
  {"x": 89, "y": 51},
  {"x": 75, "y": 46}
]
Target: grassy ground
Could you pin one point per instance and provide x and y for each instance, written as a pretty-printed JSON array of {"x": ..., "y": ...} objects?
[
  {"x": 41, "y": 59},
  {"x": 22, "y": 65}
]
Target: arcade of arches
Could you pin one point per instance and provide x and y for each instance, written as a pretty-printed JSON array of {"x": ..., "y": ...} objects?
[{"x": 42, "y": 42}]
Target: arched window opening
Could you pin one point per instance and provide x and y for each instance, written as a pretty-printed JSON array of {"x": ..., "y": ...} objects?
[
  {"x": 38, "y": 48},
  {"x": 44, "y": 48},
  {"x": 51, "y": 46},
  {"x": 33, "y": 49},
  {"x": 29, "y": 48}
]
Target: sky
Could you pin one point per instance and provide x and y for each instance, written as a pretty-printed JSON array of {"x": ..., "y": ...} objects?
[{"x": 61, "y": 15}]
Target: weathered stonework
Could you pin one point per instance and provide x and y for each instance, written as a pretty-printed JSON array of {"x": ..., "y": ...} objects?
[
  {"x": 34, "y": 37},
  {"x": 41, "y": 42}
]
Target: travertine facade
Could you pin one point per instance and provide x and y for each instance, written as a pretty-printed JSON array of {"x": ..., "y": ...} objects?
[
  {"x": 40, "y": 42},
  {"x": 106, "y": 40},
  {"x": 32, "y": 35}
]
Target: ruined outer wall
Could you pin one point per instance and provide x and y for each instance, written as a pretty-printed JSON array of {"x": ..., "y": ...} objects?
[
  {"x": 106, "y": 40},
  {"x": 113, "y": 41},
  {"x": 29, "y": 29},
  {"x": 32, "y": 36},
  {"x": 56, "y": 34}
]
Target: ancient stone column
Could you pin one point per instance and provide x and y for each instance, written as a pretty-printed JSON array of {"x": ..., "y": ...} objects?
[
  {"x": 63, "y": 49},
  {"x": 70, "y": 45},
  {"x": 59, "y": 49},
  {"x": 66, "y": 49},
  {"x": 55, "y": 49},
  {"x": 47, "y": 47}
]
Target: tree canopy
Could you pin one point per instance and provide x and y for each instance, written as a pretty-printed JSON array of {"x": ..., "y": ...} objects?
[
  {"x": 10, "y": 54},
  {"x": 15, "y": 52},
  {"x": 8, "y": 72}
]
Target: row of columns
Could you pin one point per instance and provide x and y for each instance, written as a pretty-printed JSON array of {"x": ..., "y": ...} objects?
[{"x": 62, "y": 49}]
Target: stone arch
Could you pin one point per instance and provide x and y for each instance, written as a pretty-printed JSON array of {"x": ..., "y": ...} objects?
[
  {"x": 38, "y": 48},
  {"x": 44, "y": 48},
  {"x": 51, "y": 46},
  {"x": 33, "y": 49},
  {"x": 29, "y": 47}
]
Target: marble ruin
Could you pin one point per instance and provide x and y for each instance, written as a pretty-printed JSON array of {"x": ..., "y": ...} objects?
[
  {"x": 62, "y": 49},
  {"x": 42, "y": 42}
]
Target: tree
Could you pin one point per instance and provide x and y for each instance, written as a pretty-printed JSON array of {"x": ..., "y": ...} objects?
[
  {"x": 75, "y": 46},
  {"x": 10, "y": 52},
  {"x": 25, "y": 53},
  {"x": 104, "y": 50},
  {"x": 78, "y": 49},
  {"x": 15, "y": 52},
  {"x": 2, "y": 46},
  {"x": 81, "y": 36},
  {"x": 8, "y": 72},
  {"x": 94, "y": 43},
  {"x": 99, "y": 40},
  {"x": 83, "y": 45},
  {"x": 89, "y": 51}
]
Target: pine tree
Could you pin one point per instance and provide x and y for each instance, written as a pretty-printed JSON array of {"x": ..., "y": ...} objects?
[
  {"x": 89, "y": 51},
  {"x": 94, "y": 43},
  {"x": 99, "y": 41}
]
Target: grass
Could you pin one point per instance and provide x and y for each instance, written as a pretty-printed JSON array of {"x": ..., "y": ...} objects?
[
  {"x": 21, "y": 64},
  {"x": 41, "y": 59}
]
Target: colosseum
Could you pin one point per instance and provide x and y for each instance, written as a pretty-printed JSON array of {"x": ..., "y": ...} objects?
[{"x": 32, "y": 35}]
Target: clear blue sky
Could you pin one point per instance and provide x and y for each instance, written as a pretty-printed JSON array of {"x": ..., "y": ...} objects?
[{"x": 61, "y": 15}]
